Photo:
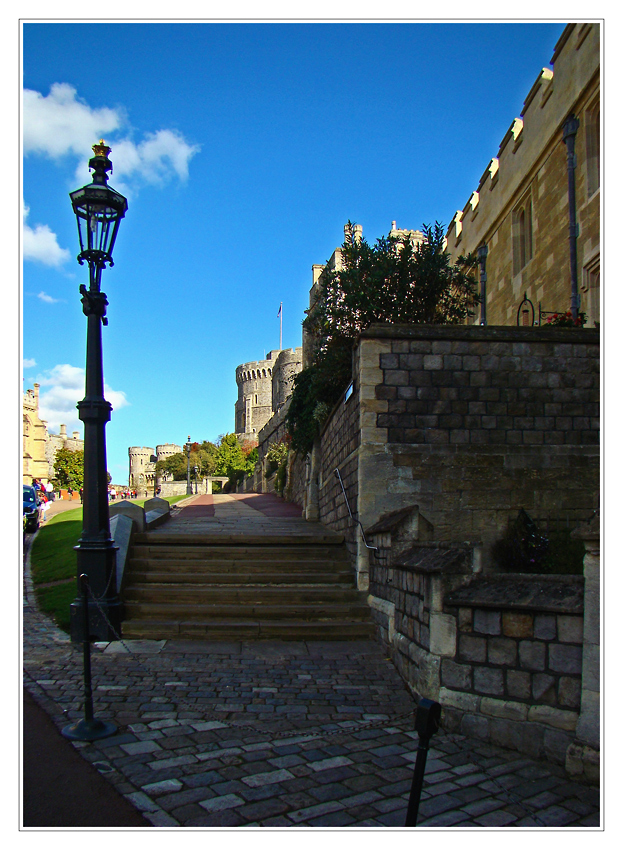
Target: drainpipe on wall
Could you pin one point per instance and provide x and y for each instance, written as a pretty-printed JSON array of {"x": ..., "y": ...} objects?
[
  {"x": 482, "y": 260},
  {"x": 569, "y": 132}
]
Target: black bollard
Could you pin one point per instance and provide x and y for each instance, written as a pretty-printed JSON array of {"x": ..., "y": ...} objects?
[
  {"x": 88, "y": 729},
  {"x": 427, "y": 721}
]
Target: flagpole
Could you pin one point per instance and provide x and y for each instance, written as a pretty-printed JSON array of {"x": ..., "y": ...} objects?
[{"x": 280, "y": 326}]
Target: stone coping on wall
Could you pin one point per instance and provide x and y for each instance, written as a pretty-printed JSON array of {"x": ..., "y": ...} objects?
[
  {"x": 488, "y": 333},
  {"x": 438, "y": 557},
  {"x": 521, "y": 591}
]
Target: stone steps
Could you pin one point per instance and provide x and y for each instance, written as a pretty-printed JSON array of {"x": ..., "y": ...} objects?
[{"x": 278, "y": 587}]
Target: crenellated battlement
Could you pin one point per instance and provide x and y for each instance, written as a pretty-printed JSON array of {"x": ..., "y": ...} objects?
[{"x": 545, "y": 109}]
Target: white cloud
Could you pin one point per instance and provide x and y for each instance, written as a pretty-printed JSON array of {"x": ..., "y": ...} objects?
[
  {"x": 64, "y": 389},
  {"x": 47, "y": 298},
  {"x": 62, "y": 123},
  {"x": 28, "y": 363},
  {"x": 40, "y": 243}
]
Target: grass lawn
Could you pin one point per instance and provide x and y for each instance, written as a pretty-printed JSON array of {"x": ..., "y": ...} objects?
[{"x": 53, "y": 559}]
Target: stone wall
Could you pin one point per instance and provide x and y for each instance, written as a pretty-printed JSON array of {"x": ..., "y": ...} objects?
[
  {"x": 474, "y": 423},
  {"x": 338, "y": 448},
  {"x": 503, "y": 654}
]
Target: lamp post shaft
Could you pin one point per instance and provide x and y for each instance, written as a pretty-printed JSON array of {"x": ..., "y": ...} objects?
[{"x": 98, "y": 209}]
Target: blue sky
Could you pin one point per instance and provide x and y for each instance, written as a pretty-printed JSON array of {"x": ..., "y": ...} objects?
[{"x": 243, "y": 149}]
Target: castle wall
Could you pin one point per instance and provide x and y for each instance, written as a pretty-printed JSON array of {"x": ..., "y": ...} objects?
[{"x": 520, "y": 209}]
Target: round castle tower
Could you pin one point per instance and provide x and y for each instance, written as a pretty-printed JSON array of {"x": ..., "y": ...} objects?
[
  {"x": 142, "y": 465},
  {"x": 289, "y": 363},
  {"x": 254, "y": 406}
]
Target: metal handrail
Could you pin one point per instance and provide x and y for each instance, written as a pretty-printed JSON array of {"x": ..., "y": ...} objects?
[{"x": 363, "y": 534}]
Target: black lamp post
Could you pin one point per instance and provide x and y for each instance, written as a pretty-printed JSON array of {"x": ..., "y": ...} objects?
[
  {"x": 189, "y": 488},
  {"x": 99, "y": 210}
]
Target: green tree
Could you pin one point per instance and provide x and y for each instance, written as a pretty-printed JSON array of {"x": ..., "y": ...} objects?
[
  {"x": 69, "y": 469},
  {"x": 230, "y": 459},
  {"x": 393, "y": 281}
]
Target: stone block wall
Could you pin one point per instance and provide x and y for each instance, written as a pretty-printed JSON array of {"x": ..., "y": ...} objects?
[
  {"x": 338, "y": 449},
  {"x": 503, "y": 654},
  {"x": 474, "y": 423}
]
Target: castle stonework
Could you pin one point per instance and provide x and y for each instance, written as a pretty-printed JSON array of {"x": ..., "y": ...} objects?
[
  {"x": 34, "y": 436},
  {"x": 263, "y": 387},
  {"x": 520, "y": 215},
  {"x": 55, "y": 442},
  {"x": 143, "y": 461}
]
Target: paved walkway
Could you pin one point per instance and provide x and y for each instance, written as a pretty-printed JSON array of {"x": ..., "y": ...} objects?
[{"x": 279, "y": 734}]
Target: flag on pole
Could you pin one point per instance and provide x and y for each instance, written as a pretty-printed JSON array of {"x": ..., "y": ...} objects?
[{"x": 280, "y": 306}]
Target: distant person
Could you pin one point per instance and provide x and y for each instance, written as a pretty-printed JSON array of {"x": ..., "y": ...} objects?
[
  {"x": 49, "y": 491},
  {"x": 81, "y": 494},
  {"x": 70, "y": 492}
]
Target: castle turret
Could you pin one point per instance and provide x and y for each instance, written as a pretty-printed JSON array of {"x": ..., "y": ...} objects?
[
  {"x": 254, "y": 406},
  {"x": 142, "y": 466}
]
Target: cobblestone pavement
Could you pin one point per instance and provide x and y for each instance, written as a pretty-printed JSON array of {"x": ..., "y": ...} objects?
[{"x": 282, "y": 734}]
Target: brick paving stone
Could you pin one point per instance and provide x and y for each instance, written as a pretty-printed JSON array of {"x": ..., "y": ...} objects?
[
  {"x": 252, "y": 795},
  {"x": 436, "y": 805},
  {"x": 217, "y": 804},
  {"x": 334, "y": 819},
  {"x": 172, "y": 762},
  {"x": 497, "y": 818},
  {"x": 556, "y": 816},
  {"x": 449, "y": 818},
  {"x": 326, "y": 764},
  {"x": 165, "y": 787},
  {"x": 263, "y": 809},
  {"x": 363, "y": 783},
  {"x": 471, "y": 779},
  {"x": 482, "y": 806},
  {"x": 203, "y": 779},
  {"x": 389, "y": 804},
  {"x": 396, "y": 818},
  {"x": 468, "y": 795},
  {"x": 315, "y": 811},
  {"x": 331, "y": 791},
  {"x": 273, "y": 777},
  {"x": 590, "y": 820},
  {"x": 541, "y": 801}
]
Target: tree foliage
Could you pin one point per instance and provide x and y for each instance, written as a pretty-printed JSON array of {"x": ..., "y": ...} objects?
[
  {"x": 202, "y": 456},
  {"x": 233, "y": 459},
  {"x": 393, "y": 281},
  {"x": 69, "y": 469}
]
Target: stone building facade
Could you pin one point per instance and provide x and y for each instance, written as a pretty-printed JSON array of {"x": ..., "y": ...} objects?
[
  {"x": 61, "y": 441},
  {"x": 34, "y": 437},
  {"x": 520, "y": 210}
]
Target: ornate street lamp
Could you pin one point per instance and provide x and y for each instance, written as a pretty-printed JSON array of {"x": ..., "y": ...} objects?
[
  {"x": 99, "y": 210},
  {"x": 188, "y": 447}
]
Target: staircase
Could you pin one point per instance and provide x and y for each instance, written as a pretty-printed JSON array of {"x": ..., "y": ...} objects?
[{"x": 242, "y": 587}]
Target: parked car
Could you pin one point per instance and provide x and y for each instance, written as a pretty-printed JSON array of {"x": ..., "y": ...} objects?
[{"x": 32, "y": 508}]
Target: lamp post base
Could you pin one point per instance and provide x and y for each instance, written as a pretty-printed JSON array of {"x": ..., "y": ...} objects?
[{"x": 89, "y": 730}]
